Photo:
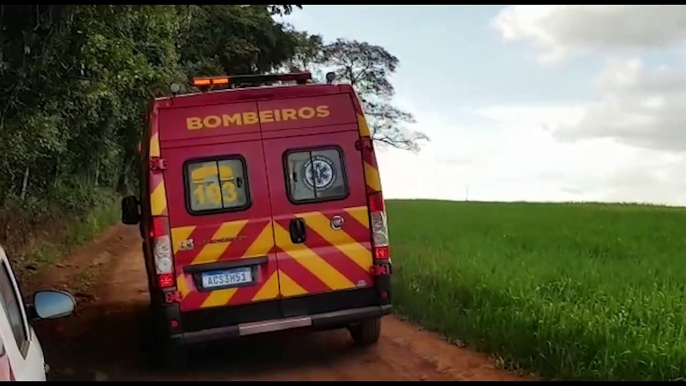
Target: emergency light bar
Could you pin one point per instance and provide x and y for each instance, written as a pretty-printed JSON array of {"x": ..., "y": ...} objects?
[{"x": 299, "y": 77}]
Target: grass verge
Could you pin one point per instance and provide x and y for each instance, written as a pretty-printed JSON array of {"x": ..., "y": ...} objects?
[
  {"x": 44, "y": 249},
  {"x": 570, "y": 291}
]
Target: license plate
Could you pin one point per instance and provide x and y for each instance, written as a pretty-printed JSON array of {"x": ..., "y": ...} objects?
[{"x": 227, "y": 277}]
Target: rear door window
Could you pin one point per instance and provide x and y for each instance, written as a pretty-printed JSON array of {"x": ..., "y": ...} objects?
[
  {"x": 315, "y": 175},
  {"x": 216, "y": 185}
]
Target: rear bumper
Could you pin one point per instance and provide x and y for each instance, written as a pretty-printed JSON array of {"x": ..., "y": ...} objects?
[{"x": 321, "y": 321}]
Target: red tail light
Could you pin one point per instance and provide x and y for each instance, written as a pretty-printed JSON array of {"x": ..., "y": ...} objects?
[
  {"x": 376, "y": 202},
  {"x": 162, "y": 253},
  {"x": 158, "y": 227},
  {"x": 166, "y": 280},
  {"x": 381, "y": 253},
  {"x": 377, "y": 220}
]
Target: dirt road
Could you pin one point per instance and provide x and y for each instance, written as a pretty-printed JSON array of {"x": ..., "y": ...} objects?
[{"x": 103, "y": 339}]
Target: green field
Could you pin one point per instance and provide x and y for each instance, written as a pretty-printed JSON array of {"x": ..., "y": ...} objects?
[{"x": 570, "y": 291}]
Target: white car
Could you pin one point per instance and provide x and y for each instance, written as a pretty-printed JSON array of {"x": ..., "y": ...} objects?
[{"x": 21, "y": 355}]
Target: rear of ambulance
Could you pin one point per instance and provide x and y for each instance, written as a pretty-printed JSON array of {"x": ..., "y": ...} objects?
[{"x": 266, "y": 214}]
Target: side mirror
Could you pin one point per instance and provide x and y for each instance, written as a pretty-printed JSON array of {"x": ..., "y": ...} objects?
[
  {"x": 52, "y": 304},
  {"x": 129, "y": 211}
]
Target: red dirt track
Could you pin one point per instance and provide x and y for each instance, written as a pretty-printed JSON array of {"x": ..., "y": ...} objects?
[{"x": 103, "y": 339}]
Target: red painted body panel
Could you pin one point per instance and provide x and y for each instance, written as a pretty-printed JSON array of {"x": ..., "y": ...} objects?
[
  {"x": 254, "y": 94},
  {"x": 174, "y": 121},
  {"x": 339, "y": 107}
]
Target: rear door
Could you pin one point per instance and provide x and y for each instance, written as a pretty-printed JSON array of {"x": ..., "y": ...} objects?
[
  {"x": 317, "y": 189},
  {"x": 219, "y": 211}
]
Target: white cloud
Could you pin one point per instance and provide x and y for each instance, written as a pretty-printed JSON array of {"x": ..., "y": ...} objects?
[
  {"x": 642, "y": 107},
  {"x": 523, "y": 161},
  {"x": 637, "y": 127},
  {"x": 563, "y": 30}
]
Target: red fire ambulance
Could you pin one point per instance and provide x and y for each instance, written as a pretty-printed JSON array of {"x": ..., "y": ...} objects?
[{"x": 261, "y": 210}]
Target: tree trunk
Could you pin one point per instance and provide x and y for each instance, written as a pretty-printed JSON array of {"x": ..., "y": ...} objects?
[{"x": 24, "y": 184}]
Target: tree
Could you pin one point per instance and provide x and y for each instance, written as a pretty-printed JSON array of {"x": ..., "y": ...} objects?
[
  {"x": 308, "y": 50},
  {"x": 367, "y": 68},
  {"x": 234, "y": 39},
  {"x": 281, "y": 10},
  {"x": 75, "y": 82}
]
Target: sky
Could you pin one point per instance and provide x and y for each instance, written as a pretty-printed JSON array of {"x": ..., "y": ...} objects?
[{"x": 530, "y": 103}]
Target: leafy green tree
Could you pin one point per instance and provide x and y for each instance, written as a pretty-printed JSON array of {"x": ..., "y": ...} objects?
[
  {"x": 308, "y": 50},
  {"x": 234, "y": 39},
  {"x": 75, "y": 83},
  {"x": 368, "y": 67}
]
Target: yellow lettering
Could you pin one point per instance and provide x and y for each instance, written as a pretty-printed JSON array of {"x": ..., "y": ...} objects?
[
  {"x": 230, "y": 120},
  {"x": 289, "y": 114},
  {"x": 214, "y": 193},
  {"x": 194, "y": 123},
  {"x": 212, "y": 121},
  {"x": 250, "y": 118},
  {"x": 306, "y": 112},
  {"x": 323, "y": 111},
  {"x": 230, "y": 193},
  {"x": 200, "y": 192},
  {"x": 267, "y": 116}
]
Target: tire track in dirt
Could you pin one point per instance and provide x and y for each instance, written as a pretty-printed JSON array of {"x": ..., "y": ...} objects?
[{"x": 103, "y": 339}]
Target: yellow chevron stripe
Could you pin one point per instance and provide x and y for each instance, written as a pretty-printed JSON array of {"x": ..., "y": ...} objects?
[
  {"x": 269, "y": 290},
  {"x": 289, "y": 287},
  {"x": 180, "y": 234},
  {"x": 340, "y": 239},
  {"x": 155, "y": 145},
  {"x": 219, "y": 297},
  {"x": 362, "y": 126},
  {"x": 158, "y": 200},
  {"x": 311, "y": 261},
  {"x": 262, "y": 244},
  {"x": 211, "y": 252},
  {"x": 181, "y": 285},
  {"x": 371, "y": 175},
  {"x": 361, "y": 214}
]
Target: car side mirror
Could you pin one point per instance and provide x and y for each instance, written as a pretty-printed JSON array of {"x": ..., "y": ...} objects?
[
  {"x": 52, "y": 304},
  {"x": 130, "y": 214}
]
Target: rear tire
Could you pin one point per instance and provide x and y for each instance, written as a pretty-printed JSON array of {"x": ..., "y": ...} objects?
[
  {"x": 162, "y": 353},
  {"x": 367, "y": 332}
]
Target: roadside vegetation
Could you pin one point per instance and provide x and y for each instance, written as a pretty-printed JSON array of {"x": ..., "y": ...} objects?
[
  {"x": 75, "y": 82},
  {"x": 571, "y": 291}
]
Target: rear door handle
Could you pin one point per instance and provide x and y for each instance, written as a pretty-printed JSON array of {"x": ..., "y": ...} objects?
[{"x": 298, "y": 231}]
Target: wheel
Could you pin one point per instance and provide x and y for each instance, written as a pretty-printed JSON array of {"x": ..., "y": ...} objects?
[
  {"x": 162, "y": 353},
  {"x": 367, "y": 332}
]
